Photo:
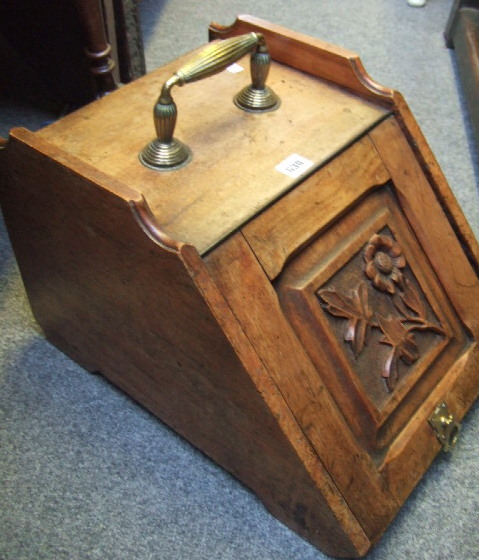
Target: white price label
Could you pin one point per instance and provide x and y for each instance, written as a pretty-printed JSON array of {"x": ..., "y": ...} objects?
[
  {"x": 294, "y": 166},
  {"x": 235, "y": 68}
]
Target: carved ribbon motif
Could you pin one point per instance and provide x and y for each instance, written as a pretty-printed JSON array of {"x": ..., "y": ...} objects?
[{"x": 383, "y": 266}]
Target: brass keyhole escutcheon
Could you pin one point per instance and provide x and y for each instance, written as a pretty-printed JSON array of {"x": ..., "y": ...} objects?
[{"x": 445, "y": 427}]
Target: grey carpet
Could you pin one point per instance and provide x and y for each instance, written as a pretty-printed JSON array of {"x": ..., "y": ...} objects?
[{"x": 87, "y": 474}]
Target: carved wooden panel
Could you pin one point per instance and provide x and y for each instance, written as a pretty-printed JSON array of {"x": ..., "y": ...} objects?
[
  {"x": 369, "y": 310},
  {"x": 387, "y": 320}
]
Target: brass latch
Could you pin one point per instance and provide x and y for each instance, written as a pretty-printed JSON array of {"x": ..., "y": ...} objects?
[{"x": 445, "y": 426}]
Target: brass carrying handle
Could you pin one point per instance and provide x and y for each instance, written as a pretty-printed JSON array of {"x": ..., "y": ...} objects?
[{"x": 166, "y": 152}]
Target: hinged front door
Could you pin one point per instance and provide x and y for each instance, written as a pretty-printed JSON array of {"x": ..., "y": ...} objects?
[{"x": 385, "y": 302}]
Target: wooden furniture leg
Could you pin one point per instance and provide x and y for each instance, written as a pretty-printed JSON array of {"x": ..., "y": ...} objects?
[
  {"x": 98, "y": 49},
  {"x": 462, "y": 35}
]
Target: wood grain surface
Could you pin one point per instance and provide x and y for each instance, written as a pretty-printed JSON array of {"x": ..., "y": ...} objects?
[
  {"x": 232, "y": 175},
  {"x": 237, "y": 303},
  {"x": 110, "y": 291}
]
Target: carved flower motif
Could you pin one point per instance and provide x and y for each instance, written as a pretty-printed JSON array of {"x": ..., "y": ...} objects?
[
  {"x": 356, "y": 309},
  {"x": 384, "y": 260}
]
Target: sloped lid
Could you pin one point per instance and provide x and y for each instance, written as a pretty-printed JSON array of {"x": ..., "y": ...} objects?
[{"x": 241, "y": 162}]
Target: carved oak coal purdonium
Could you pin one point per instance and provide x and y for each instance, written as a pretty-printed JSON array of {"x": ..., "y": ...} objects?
[{"x": 288, "y": 283}]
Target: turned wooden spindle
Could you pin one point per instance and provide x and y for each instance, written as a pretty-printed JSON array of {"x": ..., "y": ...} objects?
[{"x": 98, "y": 49}]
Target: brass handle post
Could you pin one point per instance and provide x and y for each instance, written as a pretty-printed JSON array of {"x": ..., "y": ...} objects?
[{"x": 166, "y": 152}]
